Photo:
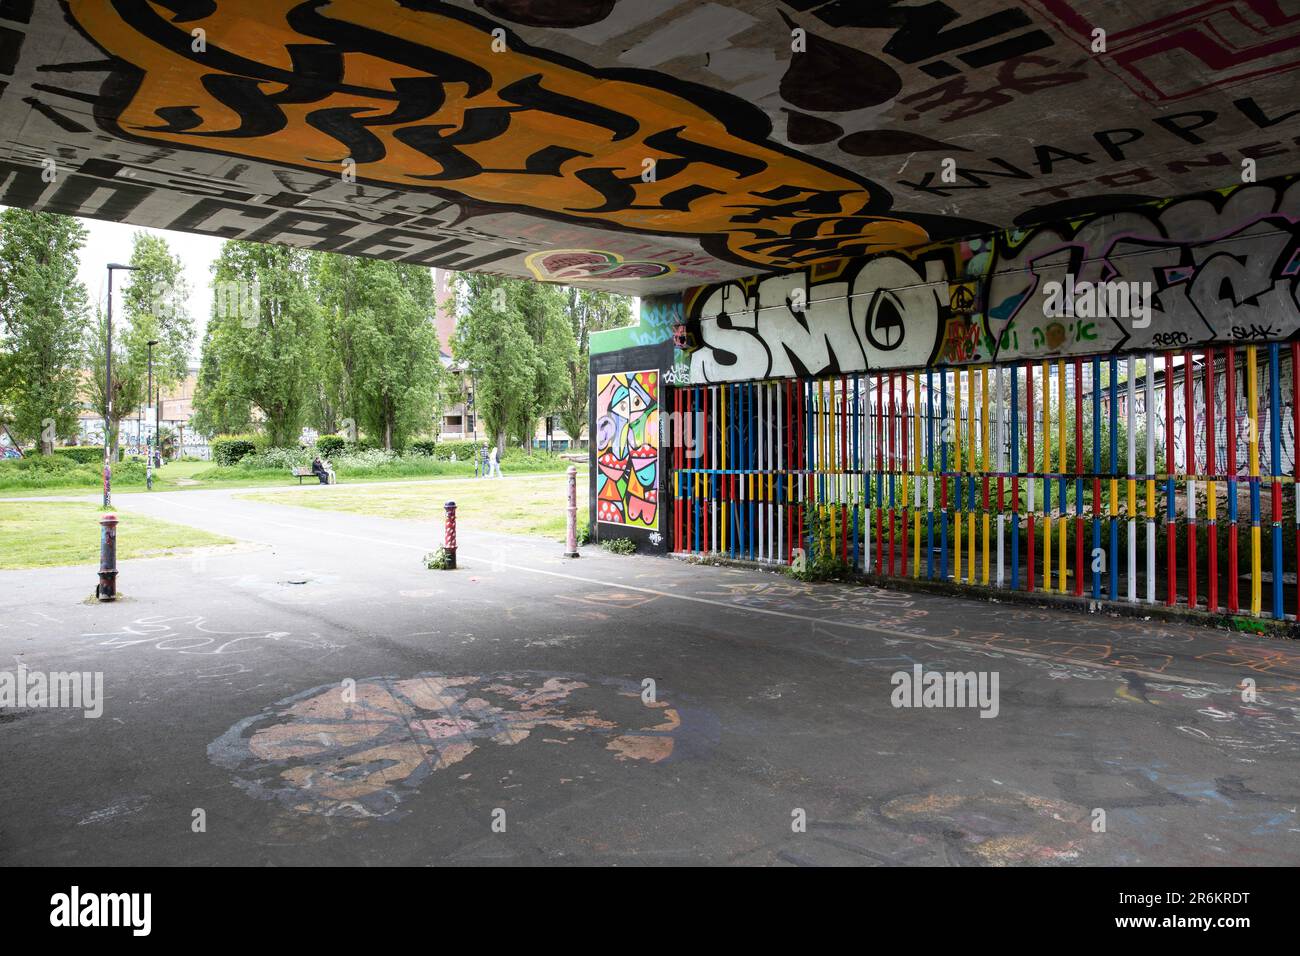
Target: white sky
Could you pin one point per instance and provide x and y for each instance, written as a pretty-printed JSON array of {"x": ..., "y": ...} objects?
[{"x": 111, "y": 242}]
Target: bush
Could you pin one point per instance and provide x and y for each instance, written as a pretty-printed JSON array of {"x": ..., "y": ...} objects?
[
  {"x": 439, "y": 560},
  {"x": 83, "y": 454},
  {"x": 229, "y": 450},
  {"x": 443, "y": 450},
  {"x": 619, "y": 545},
  {"x": 584, "y": 533},
  {"x": 330, "y": 445},
  {"x": 276, "y": 458},
  {"x": 821, "y": 560}
]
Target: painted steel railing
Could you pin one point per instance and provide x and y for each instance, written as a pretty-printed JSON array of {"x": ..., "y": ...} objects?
[{"x": 1019, "y": 475}]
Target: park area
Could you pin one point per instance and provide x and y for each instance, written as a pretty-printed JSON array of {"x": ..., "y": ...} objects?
[
  {"x": 600, "y": 704},
  {"x": 43, "y": 533}
]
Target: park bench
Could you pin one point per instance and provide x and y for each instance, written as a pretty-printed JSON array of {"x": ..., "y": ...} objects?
[{"x": 301, "y": 473}]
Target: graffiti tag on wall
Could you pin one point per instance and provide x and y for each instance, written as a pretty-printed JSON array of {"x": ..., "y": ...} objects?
[{"x": 1223, "y": 268}]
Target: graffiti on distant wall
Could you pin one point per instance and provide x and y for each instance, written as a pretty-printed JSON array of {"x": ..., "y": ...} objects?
[
  {"x": 627, "y": 448},
  {"x": 1223, "y": 267}
]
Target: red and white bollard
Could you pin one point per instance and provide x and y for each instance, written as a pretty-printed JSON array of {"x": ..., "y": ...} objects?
[
  {"x": 449, "y": 534},
  {"x": 572, "y": 539},
  {"x": 107, "y": 587}
]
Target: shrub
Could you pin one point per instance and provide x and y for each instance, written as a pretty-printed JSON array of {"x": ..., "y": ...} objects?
[
  {"x": 821, "y": 560},
  {"x": 276, "y": 458},
  {"x": 584, "y": 533},
  {"x": 364, "y": 459},
  {"x": 439, "y": 560},
  {"x": 229, "y": 450},
  {"x": 83, "y": 454},
  {"x": 619, "y": 545},
  {"x": 330, "y": 445},
  {"x": 444, "y": 450}
]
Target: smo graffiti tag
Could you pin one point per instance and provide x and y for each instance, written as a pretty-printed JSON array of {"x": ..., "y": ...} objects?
[{"x": 1219, "y": 267}]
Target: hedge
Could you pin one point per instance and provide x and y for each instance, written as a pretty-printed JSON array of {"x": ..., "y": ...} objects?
[
  {"x": 229, "y": 449},
  {"x": 330, "y": 445},
  {"x": 83, "y": 454},
  {"x": 443, "y": 450}
]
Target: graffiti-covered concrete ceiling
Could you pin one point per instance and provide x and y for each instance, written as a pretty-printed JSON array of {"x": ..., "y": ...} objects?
[{"x": 645, "y": 145}]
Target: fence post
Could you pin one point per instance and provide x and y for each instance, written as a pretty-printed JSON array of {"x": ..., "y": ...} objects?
[
  {"x": 107, "y": 587},
  {"x": 572, "y": 539},
  {"x": 449, "y": 534}
]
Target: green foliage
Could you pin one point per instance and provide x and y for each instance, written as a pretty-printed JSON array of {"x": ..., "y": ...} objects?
[
  {"x": 43, "y": 324},
  {"x": 589, "y": 311},
  {"x": 444, "y": 450},
  {"x": 167, "y": 442},
  {"x": 585, "y": 533},
  {"x": 619, "y": 545},
  {"x": 37, "y": 472},
  {"x": 378, "y": 361},
  {"x": 258, "y": 351},
  {"x": 517, "y": 342},
  {"x": 330, "y": 445},
  {"x": 153, "y": 300},
  {"x": 83, "y": 454},
  {"x": 822, "y": 560},
  {"x": 439, "y": 560},
  {"x": 228, "y": 450}
]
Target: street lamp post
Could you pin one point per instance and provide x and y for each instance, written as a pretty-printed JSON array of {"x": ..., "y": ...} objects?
[
  {"x": 149, "y": 448},
  {"x": 108, "y": 387}
]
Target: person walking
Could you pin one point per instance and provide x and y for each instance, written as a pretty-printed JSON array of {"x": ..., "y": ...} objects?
[{"x": 494, "y": 467}]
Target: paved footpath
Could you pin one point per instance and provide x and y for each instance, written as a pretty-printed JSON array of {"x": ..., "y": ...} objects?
[{"x": 319, "y": 697}]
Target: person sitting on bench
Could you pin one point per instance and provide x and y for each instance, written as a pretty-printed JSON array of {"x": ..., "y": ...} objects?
[{"x": 322, "y": 470}]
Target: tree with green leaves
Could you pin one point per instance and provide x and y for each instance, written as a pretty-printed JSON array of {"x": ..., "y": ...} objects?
[
  {"x": 221, "y": 410},
  {"x": 258, "y": 349},
  {"x": 377, "y": 355},
  {"x": 589, "y": 311},
  {"x": 154, "y": 308},
  {"x": 44, "y": 317},
  {"x": 515, "y": 339}
]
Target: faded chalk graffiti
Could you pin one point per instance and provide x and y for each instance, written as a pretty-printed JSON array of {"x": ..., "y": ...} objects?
[{"x": 319, "y": 752}]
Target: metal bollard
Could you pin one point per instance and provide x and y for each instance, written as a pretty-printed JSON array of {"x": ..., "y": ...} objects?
[
  {"x": 106, "y": 590},
  {"x": 449, "y": 533},
  {"x": 572, "y": 540}
]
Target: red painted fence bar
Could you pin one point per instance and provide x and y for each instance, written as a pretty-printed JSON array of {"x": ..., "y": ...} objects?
[{"x": 860, "y": 453}]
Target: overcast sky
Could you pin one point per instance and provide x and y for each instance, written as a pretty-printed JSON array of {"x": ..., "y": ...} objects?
[{"x": 111, "y": 242}]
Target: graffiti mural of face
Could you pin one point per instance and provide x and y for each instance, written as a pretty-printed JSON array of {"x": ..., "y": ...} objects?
[
  {"x": 416, "y": 96},
  {"x": 627, "y": 449}
]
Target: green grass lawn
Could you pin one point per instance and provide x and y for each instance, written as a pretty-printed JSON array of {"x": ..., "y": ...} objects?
[
  {"x": 526, "y": 505},
  {"x": 49, "y": 533},
  {"x": 128, "y": 478}
]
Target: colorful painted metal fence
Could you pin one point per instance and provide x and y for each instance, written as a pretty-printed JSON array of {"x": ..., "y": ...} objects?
[{"x": 1071, "y": 476}]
